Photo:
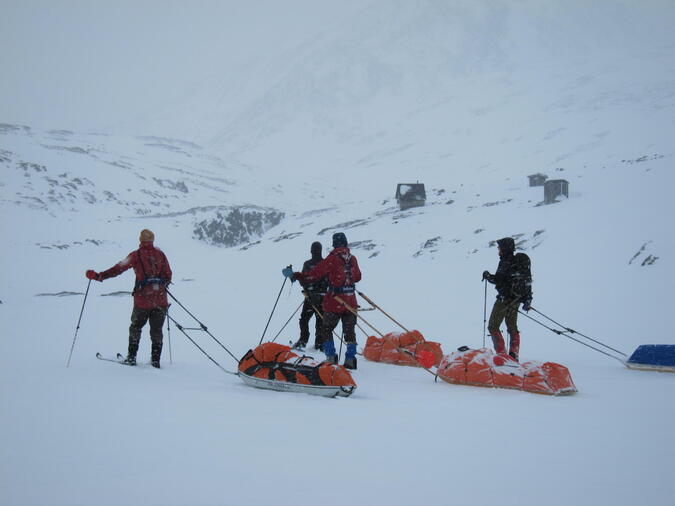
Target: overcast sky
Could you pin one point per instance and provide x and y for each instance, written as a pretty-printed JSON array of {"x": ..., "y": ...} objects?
[{"x": 92, "y": 64}]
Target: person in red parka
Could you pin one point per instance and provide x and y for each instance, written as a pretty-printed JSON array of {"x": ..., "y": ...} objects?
[
  {"x": 153, "y": 274},
  {"x": 342, "y": 270}
]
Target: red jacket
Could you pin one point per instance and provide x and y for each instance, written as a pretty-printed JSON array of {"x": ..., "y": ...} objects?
[
  {"x": 342, "y": 271},
  {"x": 148, "y": 262}
]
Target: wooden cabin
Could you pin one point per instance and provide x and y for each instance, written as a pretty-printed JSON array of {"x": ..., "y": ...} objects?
[{"x": 410, "y": 195}]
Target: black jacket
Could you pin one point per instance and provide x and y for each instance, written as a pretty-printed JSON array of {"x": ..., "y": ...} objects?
[
  {"x": 513, "y": 279},
  {"x": 317, "y": 287}
]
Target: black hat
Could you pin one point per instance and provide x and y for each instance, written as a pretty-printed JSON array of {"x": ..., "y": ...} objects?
[
  {"x": 339, "y": 240},
  {"x": 315, "y": 249}
]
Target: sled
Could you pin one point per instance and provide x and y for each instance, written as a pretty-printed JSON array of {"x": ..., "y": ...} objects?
[
  {"x": 283, "y": 386},
  {"x": 484, "y": 368},
  {"x": 402, "y": 348},
  {"x": 653, "y": 357},
  {"x": 273, "y": 366}
]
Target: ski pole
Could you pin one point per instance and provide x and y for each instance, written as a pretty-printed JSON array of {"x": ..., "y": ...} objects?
[
  {"x": 572, "y": 331},
  {"x": 342, "y": 340},
  {"x": 273, "y": 309},
  {"x": 484, "y": 311},
  {"x": 363, "y": 331},
  {"x": 72, "y": 346},
  {"x": 282, "y": 328},
  {"x": 203, "y": 327},
  {"x": 168, "y": 331},
  {"x": 383, "y": 311}
]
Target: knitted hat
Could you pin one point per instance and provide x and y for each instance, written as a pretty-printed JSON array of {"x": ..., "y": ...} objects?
[
  {"x": 146, "y": 235},
  {"x": 339, "y": 240}
]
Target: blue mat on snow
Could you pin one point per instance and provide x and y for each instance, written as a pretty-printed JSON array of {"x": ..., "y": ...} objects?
[{"x": 660, "y": 357}]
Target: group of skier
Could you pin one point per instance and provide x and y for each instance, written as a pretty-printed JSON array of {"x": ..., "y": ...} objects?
[
  {"x": 329, "y": 288},
  {"x": 330, "y": 284}
]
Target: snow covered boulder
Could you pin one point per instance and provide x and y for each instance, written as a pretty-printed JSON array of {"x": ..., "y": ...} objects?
[
  {"x": 401, "y": 348},
  {"x": 486, "y": 369}
]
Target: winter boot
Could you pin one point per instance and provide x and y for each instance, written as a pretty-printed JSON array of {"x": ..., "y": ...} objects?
[
  {"x": 299, "y": 345},
  {"x": 155, "y": 354},
  {"x": 498, "y": 341},
  {"x": 133, "y": 348},
  {"x": 350, "y": 356},
  {"x": 514, "y": 345},
  {"x": 329, "y": 350}
]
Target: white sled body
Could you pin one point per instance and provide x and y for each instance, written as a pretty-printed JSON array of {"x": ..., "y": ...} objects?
[
  {"x": 650, "y": 367},
  {"x": 285, "y": 386}
]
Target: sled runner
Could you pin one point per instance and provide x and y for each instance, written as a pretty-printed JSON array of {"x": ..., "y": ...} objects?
[
  {"x": 402, "y": 348},
  {"x": 486, "y": 369},
  {"x": 274, "y": 366},
  {"x": 653, "y": 357}
]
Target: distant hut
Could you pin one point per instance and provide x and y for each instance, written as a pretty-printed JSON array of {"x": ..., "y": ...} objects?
[
  {"x": 410, "y": 195},
  {"x": 537, "y": 179},
  {"x": 554, "y": 188}
]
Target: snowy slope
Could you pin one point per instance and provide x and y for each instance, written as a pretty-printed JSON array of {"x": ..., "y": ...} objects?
[
  {"x": 466, "y": 97},
  {"x": 191, "y": 434},
  {"x": 417, "y": 88}
]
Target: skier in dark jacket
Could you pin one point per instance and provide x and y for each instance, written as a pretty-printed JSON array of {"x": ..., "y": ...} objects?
[
  {"x": 313, "y": 292},
  {"x": 513, "y": 282},
  {"x": 342, "y": 270},
  {"x": 153, "y": 274}
]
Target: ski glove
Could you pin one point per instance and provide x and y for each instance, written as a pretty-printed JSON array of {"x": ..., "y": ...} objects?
[
  {"x": 487, "y": 275},
  {"x": 526, "y": 305},
  {"x": 287, "y": 272},
  {"x": 93, "y": 275}
]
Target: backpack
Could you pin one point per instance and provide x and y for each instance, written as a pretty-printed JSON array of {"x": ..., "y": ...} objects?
[{"x": 522, "y": 277}]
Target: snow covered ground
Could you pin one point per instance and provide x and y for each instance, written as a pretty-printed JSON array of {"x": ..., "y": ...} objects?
[{"x": 602, "y": 262}]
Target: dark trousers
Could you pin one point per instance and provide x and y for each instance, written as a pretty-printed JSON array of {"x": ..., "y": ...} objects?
[
  {"x": 308, "y": 310},
  {"x": 139, "y": 317},
  {"x": 330, "y": 321},
  {"x": 504, "y": 310}
]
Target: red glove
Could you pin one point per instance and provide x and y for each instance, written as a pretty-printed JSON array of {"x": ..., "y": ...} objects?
[{"x": 92, "y": 275}]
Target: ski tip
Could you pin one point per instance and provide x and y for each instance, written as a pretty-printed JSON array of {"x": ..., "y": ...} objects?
[
  {"x": 98, "y": 355},
  {"x": 120, "y": 356}
]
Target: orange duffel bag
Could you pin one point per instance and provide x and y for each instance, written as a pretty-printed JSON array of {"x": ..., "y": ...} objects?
[
  {"x": 401, "y": 348},
  {"x": 485, "y": 368}
]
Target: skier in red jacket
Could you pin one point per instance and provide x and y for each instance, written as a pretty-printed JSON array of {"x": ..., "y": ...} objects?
[
  {"x": 342, "y": 271},
  {"x": 153, "y": 274}
]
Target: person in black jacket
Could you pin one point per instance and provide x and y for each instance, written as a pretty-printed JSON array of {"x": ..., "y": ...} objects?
[
  {"x": 513, "y": 282},
  {"x": 313, "y": 292}
]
